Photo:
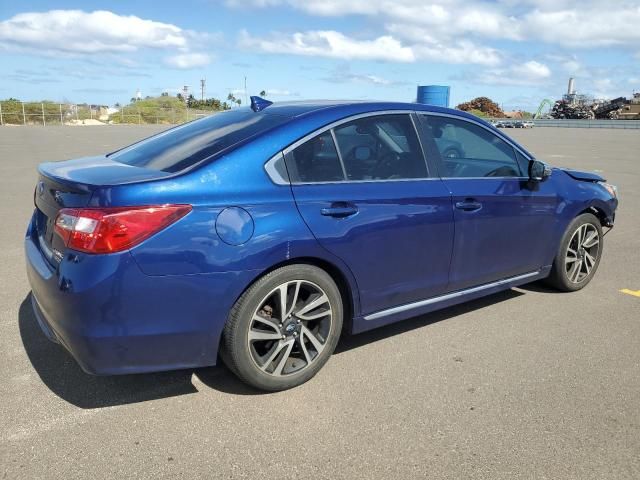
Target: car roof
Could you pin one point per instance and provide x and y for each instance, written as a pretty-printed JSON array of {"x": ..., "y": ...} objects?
[
  {"x": 310, "y": 115},
  {"x": 342, "y": 108}
]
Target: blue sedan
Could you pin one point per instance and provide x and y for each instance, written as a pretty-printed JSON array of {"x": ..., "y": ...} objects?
[{"x": 260, "y": 235}]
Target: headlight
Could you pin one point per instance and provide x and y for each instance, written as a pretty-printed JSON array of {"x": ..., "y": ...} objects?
[{"x": 612, "y": 189}]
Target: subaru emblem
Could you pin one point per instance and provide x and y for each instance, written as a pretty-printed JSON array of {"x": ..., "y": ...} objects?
[{"x": 290, "y": 328}]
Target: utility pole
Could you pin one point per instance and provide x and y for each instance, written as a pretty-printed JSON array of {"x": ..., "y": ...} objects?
[
  {"x": 203, "y": 82},
  {"x": 246, "y": 99}
]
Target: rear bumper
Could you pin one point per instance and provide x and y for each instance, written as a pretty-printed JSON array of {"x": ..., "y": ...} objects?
[{"x": 114, "y": 319}]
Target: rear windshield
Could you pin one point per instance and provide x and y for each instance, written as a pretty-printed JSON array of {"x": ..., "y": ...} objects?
[{"x": 184, "y": 146}]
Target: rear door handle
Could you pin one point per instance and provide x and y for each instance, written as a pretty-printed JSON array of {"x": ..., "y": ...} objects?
[
  {"x": 468, "y": 205},
  {"x": 339, "y": 210}
]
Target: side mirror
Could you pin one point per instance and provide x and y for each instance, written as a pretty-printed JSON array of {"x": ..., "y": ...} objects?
[{"x": 538, "y": 171}]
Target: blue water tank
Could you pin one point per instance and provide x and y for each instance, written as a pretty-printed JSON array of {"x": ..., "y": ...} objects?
[{"x": 434, "y": 95}]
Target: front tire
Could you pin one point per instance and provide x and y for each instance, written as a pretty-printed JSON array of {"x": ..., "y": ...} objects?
[
  {"x": 579, "y": 254},
  {"x": 284, "y": 328}
]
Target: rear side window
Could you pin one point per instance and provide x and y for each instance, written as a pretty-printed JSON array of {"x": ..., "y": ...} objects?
[
  {"x": 383, "y": 147},
  {"x": 316, "y": 160},
  {"x": 468, "y": 150},
  {"x": 189, "y": 144}
]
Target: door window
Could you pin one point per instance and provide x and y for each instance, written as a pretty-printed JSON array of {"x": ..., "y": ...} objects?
[
  {"x": 468, "y": 150},
  {"x": 316, "y": 160},
  {"x": 383, "y": 147}
]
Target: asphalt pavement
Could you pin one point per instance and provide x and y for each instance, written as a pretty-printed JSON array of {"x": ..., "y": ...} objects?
[{"x": 528, "y": 383}]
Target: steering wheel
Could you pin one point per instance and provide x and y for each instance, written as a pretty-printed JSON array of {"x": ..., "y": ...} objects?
[
  {"x": 503, "y": 171},
  {"x": 385, "y": 162}
]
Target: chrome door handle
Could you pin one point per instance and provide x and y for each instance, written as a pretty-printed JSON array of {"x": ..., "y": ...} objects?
[
  {"x": 468, "y": 206},
  {"x": 339, "y": 211}
]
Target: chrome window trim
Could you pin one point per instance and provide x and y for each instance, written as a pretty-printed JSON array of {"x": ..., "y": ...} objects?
[
  {"x": 485, "y": 178},
  {"x": 369, "y": 181},
  {"x": 351, "y": 118},
  {"x": 498, "y": 134},
  {"x": 272, "y": 171},
  {"x": 448, "y": 296}
]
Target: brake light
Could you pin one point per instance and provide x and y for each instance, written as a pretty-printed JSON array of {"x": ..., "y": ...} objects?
[{"x": 110, "y": 230}]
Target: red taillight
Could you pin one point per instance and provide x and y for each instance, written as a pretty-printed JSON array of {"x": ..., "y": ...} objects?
[{"x": 110, "y": 230}]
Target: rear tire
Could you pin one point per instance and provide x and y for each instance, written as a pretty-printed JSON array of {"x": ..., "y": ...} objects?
[
  {"x": 284, "y": 328},
  {"x": 579, "y": 254}
]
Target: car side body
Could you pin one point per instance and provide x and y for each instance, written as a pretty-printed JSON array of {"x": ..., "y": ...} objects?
[{"x": 396, "y": 248}]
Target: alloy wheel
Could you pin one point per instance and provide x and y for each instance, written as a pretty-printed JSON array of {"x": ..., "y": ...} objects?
[
  {"x": 290, "y": 328},
  {"x": 582, "y": 253}
]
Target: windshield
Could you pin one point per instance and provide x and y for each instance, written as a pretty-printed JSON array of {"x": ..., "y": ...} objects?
[{"x": 184, "y": 146}]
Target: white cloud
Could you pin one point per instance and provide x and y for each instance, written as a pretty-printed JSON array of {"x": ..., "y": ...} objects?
[
  {"x": 458, "y": 52},
  {"x": 586, "y": 25},
  {"x": 532, "y": 70},
  {"x": 188, "y": 60},
  {"x": 332, "y": 44},
  {"x": 529, "y": 73},
  {"x": 75, "y": 31},
  {"x": 388, "y": 48},
  {"x": 343, "y": 74},
  {"x": 567, "y": 23}
]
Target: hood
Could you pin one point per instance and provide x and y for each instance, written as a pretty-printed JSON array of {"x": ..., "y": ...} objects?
[{"x": 584, "y": 176}]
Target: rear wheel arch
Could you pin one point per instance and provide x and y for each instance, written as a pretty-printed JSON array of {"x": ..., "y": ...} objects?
[
  {"x": 261, "y": 348},
  {"x": 346, "y": 286}
]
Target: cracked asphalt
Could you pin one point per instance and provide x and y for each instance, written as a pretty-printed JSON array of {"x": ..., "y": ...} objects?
[{"x": 527, "y": 383}]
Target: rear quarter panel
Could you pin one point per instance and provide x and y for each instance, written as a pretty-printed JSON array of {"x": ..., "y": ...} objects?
[{"x": 192, "y": 246}]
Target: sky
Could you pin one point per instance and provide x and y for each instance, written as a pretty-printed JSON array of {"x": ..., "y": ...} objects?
[{"x": 516, "y": 52}]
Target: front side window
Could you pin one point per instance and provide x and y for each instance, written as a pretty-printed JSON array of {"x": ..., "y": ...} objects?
[
  {"x": 383, "y": 147},
  {"x": 467, "y": 150}
]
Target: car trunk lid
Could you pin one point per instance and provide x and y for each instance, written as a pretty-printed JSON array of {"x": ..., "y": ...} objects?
[{"x": 71, "y": 184}]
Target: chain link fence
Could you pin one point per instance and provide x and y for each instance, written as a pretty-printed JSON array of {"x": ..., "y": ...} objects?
[
  {"x": 13, "y": 112},
  {"x": 47, "y": 113}
]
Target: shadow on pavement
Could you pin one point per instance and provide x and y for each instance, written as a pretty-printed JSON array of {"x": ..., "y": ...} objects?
[
  {"x": 354, "y": 341},
  {"x": 62, "y": 375},
  {"x": 539, "y": 287}
]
